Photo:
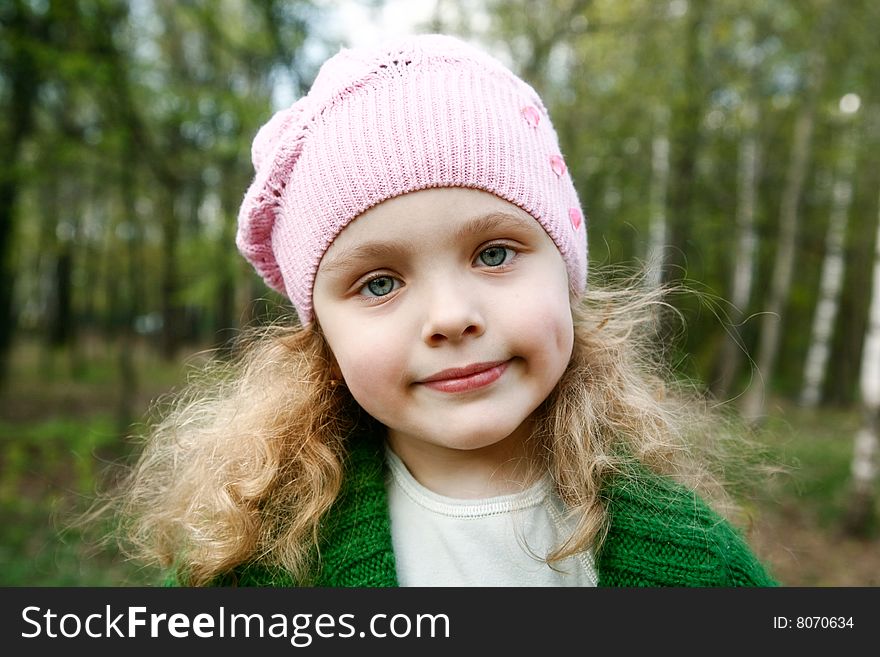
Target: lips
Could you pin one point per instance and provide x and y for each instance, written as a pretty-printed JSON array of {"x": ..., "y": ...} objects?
[{"x": 470, "y": 377}]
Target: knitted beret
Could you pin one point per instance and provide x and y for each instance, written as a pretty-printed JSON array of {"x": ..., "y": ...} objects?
[{"x": 420, "y": 112}]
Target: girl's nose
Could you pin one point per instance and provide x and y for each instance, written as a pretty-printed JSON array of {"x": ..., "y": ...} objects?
[{"x": 452, "y": 314}]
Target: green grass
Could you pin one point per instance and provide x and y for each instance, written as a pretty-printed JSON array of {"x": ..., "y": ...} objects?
[
  {"x": 38, "y": 550},
  {"x": 817, "y": 447},
  {"x": 50, "y": 468},
  {"x": 59, "y": 433}
]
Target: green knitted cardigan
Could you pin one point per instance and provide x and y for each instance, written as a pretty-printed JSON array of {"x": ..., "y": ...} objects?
[{"x": 660, "y": 534}]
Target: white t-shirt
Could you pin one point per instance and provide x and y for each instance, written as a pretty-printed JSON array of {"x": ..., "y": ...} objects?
[{"x": 498, "y": 541}]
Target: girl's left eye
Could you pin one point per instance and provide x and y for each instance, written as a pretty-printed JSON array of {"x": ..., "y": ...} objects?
[{"x": 495, "y": 256}]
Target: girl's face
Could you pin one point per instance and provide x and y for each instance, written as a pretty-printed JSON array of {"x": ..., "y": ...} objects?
[{"x": 448, "y": 313}]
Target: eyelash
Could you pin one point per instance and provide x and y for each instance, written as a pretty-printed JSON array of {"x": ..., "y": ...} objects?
[{"x": 370, "y": 298}]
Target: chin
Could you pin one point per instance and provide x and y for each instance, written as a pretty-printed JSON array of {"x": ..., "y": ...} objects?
[{"x": 475, "y": 437}]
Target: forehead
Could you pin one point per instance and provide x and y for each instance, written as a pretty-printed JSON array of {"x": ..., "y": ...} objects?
[{"x": 425, "y": 214}]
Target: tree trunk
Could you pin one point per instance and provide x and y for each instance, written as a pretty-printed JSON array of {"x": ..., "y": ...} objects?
[
  {"x": 47, "y": 250},
  {"x": 130, "y": 297},
  {"x": 744, "y": 258},
  {"x": 170, "y": 278},
  {"x": 22, "y": 82},
  {"x": 227, "y": 315},
  {"x": 780, "y": 285},
  {"x": 831, "y": 281},
  {"x": 686, "y": 116},
  {"x": 657, "y": 207},
  {"x": 64, "y": 224},
  {"x": 861, "y": 511}
]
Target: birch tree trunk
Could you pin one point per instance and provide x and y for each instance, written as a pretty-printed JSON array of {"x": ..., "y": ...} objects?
[
  {"x": 789, "y": 221},
  {"x": 744, "y": 258},
  {"x": 864, "y": 466},
  {"x": 657, "y": 207},
  {"x": 831, "y": 281}
]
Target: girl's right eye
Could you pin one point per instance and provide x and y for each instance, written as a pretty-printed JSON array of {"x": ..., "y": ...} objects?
[{"x": 380, "y": 286}]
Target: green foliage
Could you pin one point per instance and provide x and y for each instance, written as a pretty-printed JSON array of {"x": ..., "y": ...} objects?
[{"x": 139, "y": 153}]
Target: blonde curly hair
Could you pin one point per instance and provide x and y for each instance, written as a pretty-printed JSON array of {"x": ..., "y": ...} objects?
[{"x": 249, "y": 458}]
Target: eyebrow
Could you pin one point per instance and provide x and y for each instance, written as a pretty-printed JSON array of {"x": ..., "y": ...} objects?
[
  {"x": 385, "y": 250},
  {"x": 493, "y": 221}
]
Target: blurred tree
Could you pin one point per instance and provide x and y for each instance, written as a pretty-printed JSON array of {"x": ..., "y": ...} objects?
[
  {"x": 748, "y": 51},
  {"x": 687, "y": 98},
  {"x": 743, "y": 266},
  {"x": 789, "y": 226},
  {"x": 23, "y": 29},
  {"x": 831, "y": 279},
  {"x": 159, "y": 100},
  {"x": 862, "y": 508}
]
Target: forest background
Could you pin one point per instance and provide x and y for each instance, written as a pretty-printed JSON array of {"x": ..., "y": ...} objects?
[{"x": 729, "y": 146}]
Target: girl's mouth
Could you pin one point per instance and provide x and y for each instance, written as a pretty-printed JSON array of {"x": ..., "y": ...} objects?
[{"x": 463, "y": 379}]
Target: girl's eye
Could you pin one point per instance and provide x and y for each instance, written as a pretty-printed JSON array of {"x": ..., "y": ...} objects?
[
  {"x": 495, "y": 256},
  {"x": 380, "y": 286}
]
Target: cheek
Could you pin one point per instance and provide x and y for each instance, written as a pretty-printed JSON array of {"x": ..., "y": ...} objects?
[
  {"x": 545, "y": 339},
  {"x": 370, "y": 365},
  {"x": 545, "y": 331},
  {"x": 549, "y": 335}
]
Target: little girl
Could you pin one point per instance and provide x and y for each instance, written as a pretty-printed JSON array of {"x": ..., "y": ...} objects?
[{"x": 451, "y": 408}]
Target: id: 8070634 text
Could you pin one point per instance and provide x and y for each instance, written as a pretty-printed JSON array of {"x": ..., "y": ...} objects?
[{"x": 813, "y": 623}]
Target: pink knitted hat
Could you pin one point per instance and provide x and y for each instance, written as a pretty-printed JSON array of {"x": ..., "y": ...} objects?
[{"x": 424, "y": 111}]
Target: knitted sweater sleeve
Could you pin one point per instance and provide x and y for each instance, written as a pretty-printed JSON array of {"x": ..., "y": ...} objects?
[{"x": 661, "y": 534}]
